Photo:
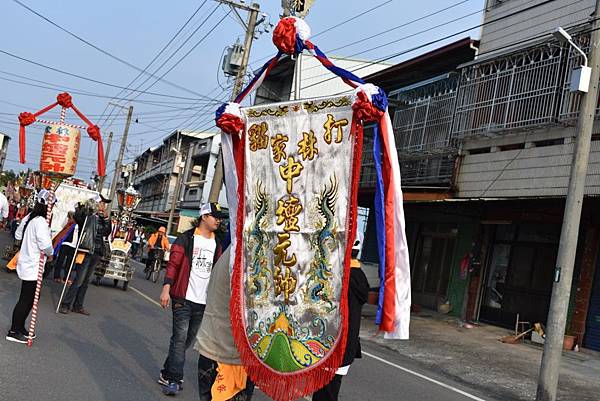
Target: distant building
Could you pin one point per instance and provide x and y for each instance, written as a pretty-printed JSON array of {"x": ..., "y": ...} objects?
[
  {"x": 4, "y": 140},
  {"x": 158, "y": 169},
  {"x": 316, "y": 80}
]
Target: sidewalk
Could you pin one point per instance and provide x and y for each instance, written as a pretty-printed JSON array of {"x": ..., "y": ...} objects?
[{"x": 476, "y": 357}]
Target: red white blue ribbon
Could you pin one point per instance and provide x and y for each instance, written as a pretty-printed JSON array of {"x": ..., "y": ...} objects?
[{"x": 370, "y": 105}]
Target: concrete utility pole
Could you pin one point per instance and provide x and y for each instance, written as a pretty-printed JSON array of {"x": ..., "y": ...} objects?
[
  {"x": 253, "y": 10},
  {"x": 563, "y": 277},
  {"x": 119, "y": 161},
  {"x": 177, "y": 185},
  {"x": 106, "y": 154}
]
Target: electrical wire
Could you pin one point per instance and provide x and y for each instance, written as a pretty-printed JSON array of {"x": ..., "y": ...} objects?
[
  {"x": 102, "y": 50},
  {"x": 91, "y": 79},
  {"x": 159, "y": 53},
  {"x": 176, "y": 51},
  {"x": 431, "y": 42},
  {"x": 189, "y": 51}
]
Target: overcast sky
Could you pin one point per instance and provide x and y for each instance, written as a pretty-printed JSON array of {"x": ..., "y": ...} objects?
[{"x": 135, "y": 31}]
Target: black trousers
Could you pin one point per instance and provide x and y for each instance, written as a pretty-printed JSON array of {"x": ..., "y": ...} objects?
[
  {"x": 61, "y": 265},
  {"x": 23, "y": 306},
  {"x": 331, "y": 391}
]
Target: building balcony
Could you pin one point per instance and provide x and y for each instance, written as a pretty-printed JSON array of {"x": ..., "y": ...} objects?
[
  {"x": 517, "y": 91},
  {"x": 163, "y": 168}
]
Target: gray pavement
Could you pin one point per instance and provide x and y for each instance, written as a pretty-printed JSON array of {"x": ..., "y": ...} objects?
[{"x": 116, "y": 354}]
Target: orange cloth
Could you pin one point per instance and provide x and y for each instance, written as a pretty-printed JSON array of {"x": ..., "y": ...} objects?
[
  {"x": 12, "y": 264},
  {"x": 354, "y": 263},
  {"x": 231, "y": 379},
  {"x": 164, "y": 243}
]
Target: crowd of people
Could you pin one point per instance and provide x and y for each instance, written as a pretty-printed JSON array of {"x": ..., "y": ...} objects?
[{"x": 196, "y": 287}]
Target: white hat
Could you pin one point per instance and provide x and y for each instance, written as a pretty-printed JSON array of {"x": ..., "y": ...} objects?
[
  {"x": 212, "y": 208},
  {"x": 43, "y": 196}
]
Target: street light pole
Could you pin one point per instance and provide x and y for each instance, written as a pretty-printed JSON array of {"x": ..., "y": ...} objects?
[
  {"x": 563, "y": 276},
  {"x": 119, "y": 161},
  {"x": 106, "y": 155},
  {"x": 217, "y": 181},
  {"x": 177, "y": 184}
]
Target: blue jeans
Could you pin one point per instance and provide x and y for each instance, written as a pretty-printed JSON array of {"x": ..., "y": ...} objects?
[{"x": 187, "y": 316}]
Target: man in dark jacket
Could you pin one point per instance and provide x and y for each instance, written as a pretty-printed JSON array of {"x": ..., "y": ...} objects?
[
  {"x": 192, "y": 257},
  {"x": 358, "y": 292},
  {"x": 97, "y": 226}
]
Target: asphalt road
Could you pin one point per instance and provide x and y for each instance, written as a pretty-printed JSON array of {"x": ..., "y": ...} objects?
[{"x": 116, "y": 354}]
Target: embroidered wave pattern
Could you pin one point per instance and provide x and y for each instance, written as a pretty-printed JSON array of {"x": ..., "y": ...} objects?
[{"x": 284, "y": 345}]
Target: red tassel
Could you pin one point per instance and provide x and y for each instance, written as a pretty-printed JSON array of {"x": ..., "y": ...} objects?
[
  {"x": 22, "y": 144},
  {"x": 101, "y": 161}
]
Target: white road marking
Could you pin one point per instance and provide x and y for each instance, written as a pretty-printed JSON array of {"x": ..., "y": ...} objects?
[
  {"x": 146, "y": 297},
  {"x": 447, "y": 386},
  {"x": 419, "y": 375}
]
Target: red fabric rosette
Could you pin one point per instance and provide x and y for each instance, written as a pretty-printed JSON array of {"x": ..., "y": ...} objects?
[
  {"x": 284, "y": 35},
  {"x": 364, "y": 110},
  {"x": 230, "y": 124}
]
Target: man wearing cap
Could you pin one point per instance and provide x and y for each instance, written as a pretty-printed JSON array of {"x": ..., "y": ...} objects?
[{"x": 192, "y": 257}]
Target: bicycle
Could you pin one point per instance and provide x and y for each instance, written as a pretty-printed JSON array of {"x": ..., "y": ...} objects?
[{"x": 153, "y": 270}]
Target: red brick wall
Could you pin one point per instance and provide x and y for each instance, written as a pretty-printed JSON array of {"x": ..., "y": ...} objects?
[{"x": 585, "y": 283}]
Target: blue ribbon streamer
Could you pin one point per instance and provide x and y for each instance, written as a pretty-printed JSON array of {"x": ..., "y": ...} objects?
[{"x": 379, "y": 220}]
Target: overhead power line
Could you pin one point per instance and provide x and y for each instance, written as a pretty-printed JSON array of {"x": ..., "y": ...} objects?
[
  {"x": 91, "y": 79},
  {"x": 432, "y": 42},
  {"x": 102, "y": 50},
  {"x": 177, "y": 50},
  {"x": 189, "y": 51},
  {"x": 158, "y": 54}
]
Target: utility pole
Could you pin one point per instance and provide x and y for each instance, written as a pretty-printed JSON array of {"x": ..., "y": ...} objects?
[
  {"x": 178, "y": 164},
  {"x": 563, "y": 276},
  {"x": 253, "y": 10},
  {"x": 106, "y": 154},
  {"x": 119, "y": 161}
]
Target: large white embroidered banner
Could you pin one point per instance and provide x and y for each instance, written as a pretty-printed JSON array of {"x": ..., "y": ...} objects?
[{"x": 299, "y": 165}]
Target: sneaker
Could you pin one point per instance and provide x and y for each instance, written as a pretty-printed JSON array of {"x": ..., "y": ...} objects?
[
  {"x": 26, "y": 334},
  {"x": 63, "y": 309},
  {"x": 18, "y": 338},
  {"x": 171, "y": 389},
  {"x": 162, "y": 380}
]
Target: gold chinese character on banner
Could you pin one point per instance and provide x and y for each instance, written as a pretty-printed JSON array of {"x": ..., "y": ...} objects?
[
  {"x": 281, "y": 252},
  {"x": 332, "y": 124},
  {"x": 306, "y": 147},
  {"x": 290, "y": 171},
  {"x": 287, "y": 213},
  {"x": 257, "y": 133},
  {"x": 284, "y": 283},
  {"x": 278, "y": 147}
]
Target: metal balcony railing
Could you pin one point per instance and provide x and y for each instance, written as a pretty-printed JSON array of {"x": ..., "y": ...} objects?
[
  {"x": 424, "y": 115},
  {"x": 520, "y": 90}
]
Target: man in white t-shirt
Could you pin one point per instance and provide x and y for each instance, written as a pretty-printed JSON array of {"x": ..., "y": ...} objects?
[
  {"x": 3, "y": 206},
  {"x": 192, "y": 257}
]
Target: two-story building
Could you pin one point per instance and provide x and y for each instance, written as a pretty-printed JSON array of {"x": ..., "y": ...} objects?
[
  {"x": 192, "y": 155},
  {"x": 485, "y": 149}
]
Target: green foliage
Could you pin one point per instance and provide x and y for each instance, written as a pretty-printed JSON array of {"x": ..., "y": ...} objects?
[{"x": 6, "y": 177}]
